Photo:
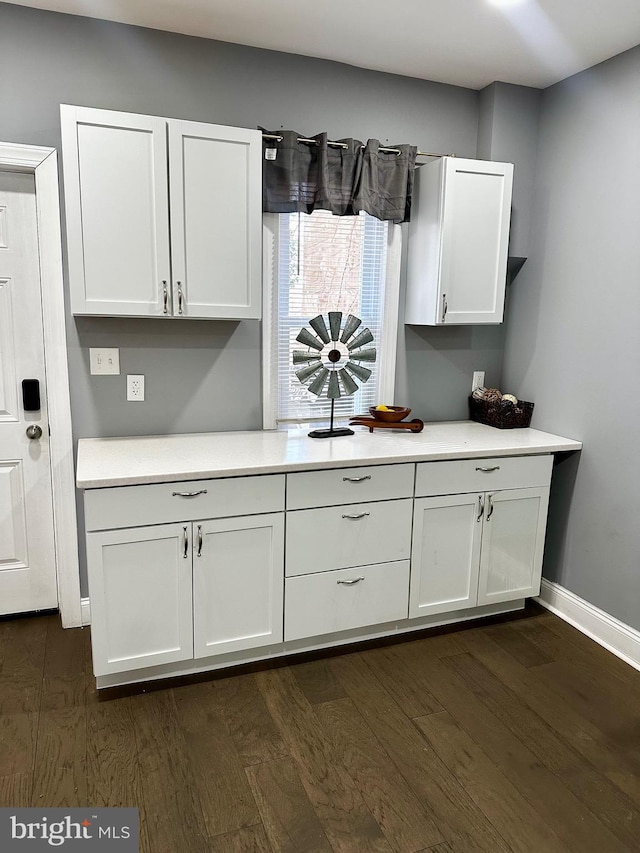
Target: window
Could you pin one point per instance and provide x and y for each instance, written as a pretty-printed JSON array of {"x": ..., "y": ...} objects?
[{"x": 318, "y": 263}]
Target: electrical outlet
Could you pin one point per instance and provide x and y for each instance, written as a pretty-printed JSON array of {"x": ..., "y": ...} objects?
[
  {"x": 478, "y": 380},
  {"x": 104, "y": 361},
  {"x": 135, "y": 387}
]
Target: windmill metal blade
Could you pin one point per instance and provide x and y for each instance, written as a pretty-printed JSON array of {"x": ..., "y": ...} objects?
[
  {"x": 334, "y": 387},
  {"x": 363, "y": 373},
  {"x": 305, "y": 337},
  {"x": 335, "y": 320},
  {"x": 300, "y": 356},
  {"x": 365, "y": 337},
  {"x": 350, "y": 387},
  {"x": 308, "y": 371},
  {"x": 320, "y": 328},
  {"x": 318, "y": 383},
  {"x": 351, "y": 324},
  {"x": 364, "y": 355}
]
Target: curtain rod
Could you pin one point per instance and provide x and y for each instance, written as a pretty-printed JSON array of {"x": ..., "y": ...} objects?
[{"x": 344, "y": 145}]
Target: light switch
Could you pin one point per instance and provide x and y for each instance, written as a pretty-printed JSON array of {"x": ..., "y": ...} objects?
[{"x": 104, "y": 361}]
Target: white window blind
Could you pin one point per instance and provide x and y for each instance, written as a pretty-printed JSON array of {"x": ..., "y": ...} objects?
[{"x": 326, "y": 263}]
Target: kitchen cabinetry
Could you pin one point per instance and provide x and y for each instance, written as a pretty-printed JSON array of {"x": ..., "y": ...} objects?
[
  {"x": 163, "y": 216},
  {"x": 347, "y": 564},
  {"x": 458, "y": 241},
  {"x": 191, "y": 588},
  {"x": 272, "y": 544},
  {"x": 478, "y": 548}
]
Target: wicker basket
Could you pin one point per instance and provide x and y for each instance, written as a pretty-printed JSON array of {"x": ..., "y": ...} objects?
[{"x": 499, "y": 414}]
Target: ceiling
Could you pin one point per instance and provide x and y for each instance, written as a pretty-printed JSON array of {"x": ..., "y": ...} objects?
[{"x": 464, "y": 42}]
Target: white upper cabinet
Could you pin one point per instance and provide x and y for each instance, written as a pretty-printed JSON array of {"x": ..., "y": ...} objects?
[
  {"x": 458, "y": 241},
  {"x": 163, "y": 216}
]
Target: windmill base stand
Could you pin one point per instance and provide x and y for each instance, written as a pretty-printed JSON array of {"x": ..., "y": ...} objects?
[{"x": 332, "y": 432}]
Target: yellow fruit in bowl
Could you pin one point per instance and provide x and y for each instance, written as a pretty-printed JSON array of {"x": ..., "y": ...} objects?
[{"x": 383, "y": 409}]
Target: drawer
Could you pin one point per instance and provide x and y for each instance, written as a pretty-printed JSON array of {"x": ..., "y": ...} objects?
[
  {"x": 482, "y": 475},
  {"x": 131, "y": 506},
  {"x": 351, "y": 598},
  {"x": 349, "y": 485},
  {"x": 319, "y": 540}
]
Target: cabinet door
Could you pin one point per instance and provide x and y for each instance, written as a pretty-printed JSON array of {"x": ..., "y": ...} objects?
[
  {"x": 216, "y": 192},
  {"x": 512, "y": 544},
  {"x": 475, "y": 237},
  {"x": 238, "y": 568},
  {"x": 140, "y": 589},
  {"x": 116, "y": 196},
  {"x": 445, "y": 554}
]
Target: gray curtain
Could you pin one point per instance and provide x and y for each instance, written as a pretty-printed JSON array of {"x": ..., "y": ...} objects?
[{"x": 303, "y": 176}]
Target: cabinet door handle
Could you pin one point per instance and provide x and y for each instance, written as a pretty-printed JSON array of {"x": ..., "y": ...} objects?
[
  {"x": 185, "y": 533},
  {"x": 490, "y": 513},
  {"x": 356, "y": 517},
  {"x": 351, "y": 582},
  {"x": 165, "y": 298},
  {"x": 188, "y": 494},
  {"x": 180, "y": 297},
  {"x": 480, "y": 507},
  {"x": 489, "y": 470},
  {"x": 444, "y": 306},
  {"x": 199, "y": 551},
  {"x": 356, "y": 479}
]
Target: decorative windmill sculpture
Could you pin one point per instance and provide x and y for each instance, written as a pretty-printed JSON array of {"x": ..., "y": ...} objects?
[{"x": 333, "y": 361}]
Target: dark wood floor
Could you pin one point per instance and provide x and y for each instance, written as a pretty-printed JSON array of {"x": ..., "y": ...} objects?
[{"x": 520, "y": 735}]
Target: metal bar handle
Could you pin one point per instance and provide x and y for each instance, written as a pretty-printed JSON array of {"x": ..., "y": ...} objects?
[
  {"x": 180, "y": 297},
  {"x": 490, "y": 513},
  {"x": 185, "y": 553},
  {"x": 351, "y": 582},
  {"x": 480, "y": 507},
  {"x": 356, "y": 479},
  {"x": 199, "y": 551},
  {"x": 445, "y": 306},
  {"x": 489, "y": 470},
  {"x": 356, "y": 517},
  {"x": 165, "y": 298},
  {"x": 188, "y": 494}
]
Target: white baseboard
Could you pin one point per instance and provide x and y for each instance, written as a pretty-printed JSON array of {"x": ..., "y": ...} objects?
[
  {"x": 85, "y": 611},
  {"x": 615, "y": 636}
]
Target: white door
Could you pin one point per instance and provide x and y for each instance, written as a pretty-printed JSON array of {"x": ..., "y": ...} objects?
[
  {"x": 512, "y": 544},
  {"x": 445, "y": 554},
  {"x": 140, "y": 589},
  {"x": 215, "y": 176},
  {"x": 116, "y": 198},
  {"x": 237, "y": 583},
  {"x": 27, "y": 558}
]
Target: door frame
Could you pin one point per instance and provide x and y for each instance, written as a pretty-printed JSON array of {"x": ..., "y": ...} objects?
[{"x": 42, "y": 163}]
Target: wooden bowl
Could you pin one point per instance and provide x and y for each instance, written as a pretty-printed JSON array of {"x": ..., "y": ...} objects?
[{"x": 395, "y": 413}]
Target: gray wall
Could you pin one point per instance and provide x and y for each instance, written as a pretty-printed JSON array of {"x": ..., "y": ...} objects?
[{"x": 573, "y": 331}]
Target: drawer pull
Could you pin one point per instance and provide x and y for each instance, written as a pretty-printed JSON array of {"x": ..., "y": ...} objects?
[
  {"x": 489, "y": 470},
  {"x": 199, "y": 552},
  {"x": 480, "y": 507},
  {"x": 185, "y": 553},
  {"x": 188, "y": 494},
  {"x": 356, "y": 479},
  {"x": 356, "y": 517},
  {"x": 351, "y": 582}
]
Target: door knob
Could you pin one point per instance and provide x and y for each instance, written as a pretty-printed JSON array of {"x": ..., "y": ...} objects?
[{"x": 34, "y": 431}]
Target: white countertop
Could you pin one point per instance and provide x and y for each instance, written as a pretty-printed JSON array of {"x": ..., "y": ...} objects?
[{"x": 104, "y": 462}]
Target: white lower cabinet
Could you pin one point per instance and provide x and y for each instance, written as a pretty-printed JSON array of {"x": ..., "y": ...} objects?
[
  {"x": 237, "y": 583},
  {"x": 140, "y": 587},
  {"x": 478, "y": 548},
  {"x": 174, "y": 592}
]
